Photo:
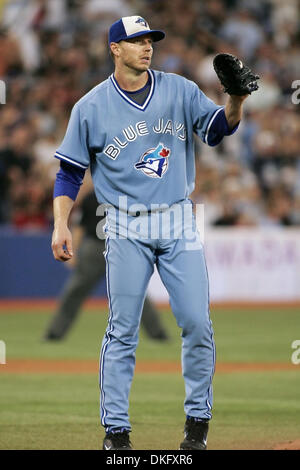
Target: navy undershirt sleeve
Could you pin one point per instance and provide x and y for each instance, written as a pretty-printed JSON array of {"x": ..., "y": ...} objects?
[
  {"x": 219, "y": 128},
  {"x": 68, "y": 180}
]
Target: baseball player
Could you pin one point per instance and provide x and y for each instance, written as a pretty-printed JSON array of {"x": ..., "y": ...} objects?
[{"x": 135, "y": 131}]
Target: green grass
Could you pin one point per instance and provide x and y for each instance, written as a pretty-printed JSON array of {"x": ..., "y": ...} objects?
[
  {"x": 251, "y": 410},
  {"x": 256, "y": 335},
  {"x": 56, "y": 412}
]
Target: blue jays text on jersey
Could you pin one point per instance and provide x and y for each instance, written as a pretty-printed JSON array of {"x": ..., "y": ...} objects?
[
  {"x": 139, "y": 129},
  {"x": 143, "y": 151}
]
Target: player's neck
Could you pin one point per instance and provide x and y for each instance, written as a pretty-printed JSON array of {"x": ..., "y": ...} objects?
[{"x": 131, "y": 80}]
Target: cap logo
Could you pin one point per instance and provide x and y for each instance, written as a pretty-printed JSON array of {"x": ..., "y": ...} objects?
[{"x": 143, "y": 22}]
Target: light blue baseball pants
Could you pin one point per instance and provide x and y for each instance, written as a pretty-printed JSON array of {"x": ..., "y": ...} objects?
[{"x": 182, "y": 268}]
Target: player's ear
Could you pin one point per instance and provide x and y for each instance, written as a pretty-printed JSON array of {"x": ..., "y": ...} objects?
[{"x": 114, "y": 49}]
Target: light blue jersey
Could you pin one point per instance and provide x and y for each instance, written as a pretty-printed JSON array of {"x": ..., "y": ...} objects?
[{"x": 145, "y": 152}]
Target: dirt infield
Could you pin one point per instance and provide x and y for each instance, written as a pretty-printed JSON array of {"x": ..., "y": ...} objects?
[
  {"x": 290, "y": 445},
  {"x": 36, "y": 305},
  {"x": 36, "y": 366}
]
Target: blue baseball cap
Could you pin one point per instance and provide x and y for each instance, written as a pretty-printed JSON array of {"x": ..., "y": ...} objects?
[{"x": 131, "y": 27}]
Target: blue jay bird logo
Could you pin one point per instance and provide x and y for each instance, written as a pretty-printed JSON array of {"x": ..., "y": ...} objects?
[
  {"x": 142, "y": 21},
  {"x": 154, "y": 162}
]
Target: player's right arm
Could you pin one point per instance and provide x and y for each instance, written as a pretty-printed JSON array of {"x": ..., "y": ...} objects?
[
  {"x": 62, "y": 237},
  {"x": 68, "y": 182},
  {"x": 66, "y": 188}
]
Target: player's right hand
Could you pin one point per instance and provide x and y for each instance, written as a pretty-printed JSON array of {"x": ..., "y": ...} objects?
[{"x": 62, "y": 243}]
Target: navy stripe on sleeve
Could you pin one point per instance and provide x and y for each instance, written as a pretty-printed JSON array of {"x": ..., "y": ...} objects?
[
  {"x": 68, "y": 180},
  {"x": 218, "y": 128},
  {"x": 63, "y": 157}
]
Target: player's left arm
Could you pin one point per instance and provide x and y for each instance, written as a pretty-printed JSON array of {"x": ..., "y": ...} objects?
[
  {"x": 211, "y": 121},
  {"x": 234, "y": 110}
]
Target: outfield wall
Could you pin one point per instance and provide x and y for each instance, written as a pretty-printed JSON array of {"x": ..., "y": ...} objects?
[
  {"x": 28, "y": 269},
  {"x": 243, "y": 265}
]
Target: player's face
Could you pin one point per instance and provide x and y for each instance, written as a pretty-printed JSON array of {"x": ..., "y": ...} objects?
[{"x": 136, "y": 53}]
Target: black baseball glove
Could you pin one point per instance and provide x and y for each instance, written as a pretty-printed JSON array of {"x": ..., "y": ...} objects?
[{"x": 236, "y": 78}]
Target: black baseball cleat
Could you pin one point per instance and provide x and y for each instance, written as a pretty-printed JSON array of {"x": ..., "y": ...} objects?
[
  {"x": 195, "y": 434},
  {"x": 117, "y": 441}
]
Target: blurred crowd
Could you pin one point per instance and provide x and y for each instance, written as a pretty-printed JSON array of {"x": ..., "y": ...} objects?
[{"x": 54, "y": 51}]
